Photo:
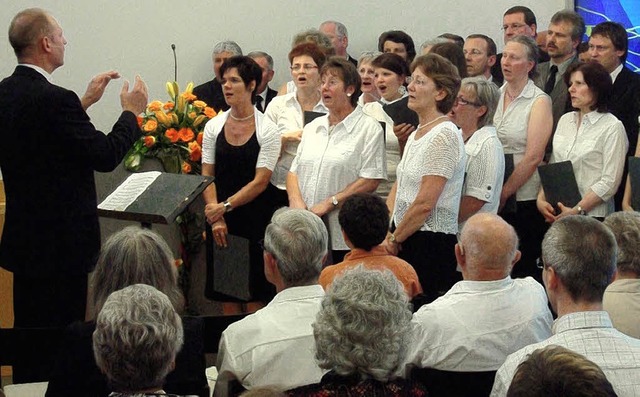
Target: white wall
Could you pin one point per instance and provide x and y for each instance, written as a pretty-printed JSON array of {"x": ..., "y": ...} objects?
[{"x": 135, "y": 36}]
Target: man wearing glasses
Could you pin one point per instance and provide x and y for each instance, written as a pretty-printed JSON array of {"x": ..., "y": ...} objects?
[{"x": 480, "y": 54}]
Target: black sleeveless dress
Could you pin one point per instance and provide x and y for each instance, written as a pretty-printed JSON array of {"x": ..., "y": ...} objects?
[{"x": 235, "y": 167}]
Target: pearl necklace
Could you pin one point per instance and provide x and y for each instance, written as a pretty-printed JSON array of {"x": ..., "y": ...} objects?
[
  {"x": 241, "y": 118},
  {"x": 420, "y": 126}
]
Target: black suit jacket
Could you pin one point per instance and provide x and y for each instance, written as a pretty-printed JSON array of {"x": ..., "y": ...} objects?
[
  {"x": 48, "y": 156},
  {"x": 270, "y": 95},
  {"x": 211, "y": 93},
  {"x": 625, "y": 105}
]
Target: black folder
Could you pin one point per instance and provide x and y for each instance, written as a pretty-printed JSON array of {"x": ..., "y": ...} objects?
[
  {"x": 400, "y": 113},
  {"x": 510, "y": 206},
  {"x": 559, "y": 184},
  {"x": 634, "y": 180},
  {"x": 309, "y": 116},
  {"x": 230, "y": 273}
]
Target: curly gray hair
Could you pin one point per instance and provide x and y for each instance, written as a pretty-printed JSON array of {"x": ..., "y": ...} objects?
[
  {"x": 625, "y": 226},
  {"x": 227, "y": 46},
  {"x": 138, "y": 335},
  {"x": 363, "y": 324}
]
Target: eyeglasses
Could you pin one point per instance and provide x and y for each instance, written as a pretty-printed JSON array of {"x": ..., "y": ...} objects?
[
  {"x": 306, "y": 67},
  {"x": 540, "y": 263},
  {"x": 263, "y": 248},
  {"x": 461, "y": 101},
  {"x": 474, "y": 52},
  {"x": 514, "y": 26},
  {"x": 416, "y": 81}
]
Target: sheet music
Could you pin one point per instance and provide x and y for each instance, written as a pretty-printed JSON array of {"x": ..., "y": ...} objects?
[{"x": 129, "y": 191}]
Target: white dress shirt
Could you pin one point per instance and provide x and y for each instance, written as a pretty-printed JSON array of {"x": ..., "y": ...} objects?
[
  {"x": 273, "y": 346},
  {"x": 592, "y": 335},
  {"x": 286, "y": 113},
  {"x": 597, "y": 151},
  {"x": 512, "y": 127},
  {"x": 329, "y": 159},
  {"x": 477, "y": 324},
  {"x": 266, "y": 133},
  {"x": 440, "y": 152}
]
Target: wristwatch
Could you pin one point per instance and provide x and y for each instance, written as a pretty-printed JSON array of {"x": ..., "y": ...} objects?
[
  {"x": 227, "y": 206},
  {"x": 334, "y": 201},
  {"x": 581, "y": 211}
]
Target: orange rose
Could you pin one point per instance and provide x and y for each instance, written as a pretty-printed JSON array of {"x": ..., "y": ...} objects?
[
  {"x": 172, "y": 134},
  {"x": 149, "y": 140},
  {"x": 169, "y": 106},
  {"x": 189, "y": 97},
  {"x": 196, "y": 151},
  {"x": 199, "y": 104},
  {"x": 150, "y": 125},
  {"x": 209, "y": 112},
  {"x": 186, "y": 134},
  {"x": 140, "y": 121},
  {"x": 155, "y": 106},
  {"x": 199, "y": 138},
  {"x": 186, "y": 168}
]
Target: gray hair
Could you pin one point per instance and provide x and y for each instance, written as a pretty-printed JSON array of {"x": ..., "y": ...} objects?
[
  {"x": 368, "y": 57},
  {"x": 625, "y": 227},
  {"x": 261, "y": 54},
  {"x": 574, "y": 19},
  {"x": 137, "y": 337},
  {"x": 363, "y": 324},
  {"x": 433, "y": 41},
  {"x": 582, "y": 252},
  {"x": 531, "y": 49},
  {"x": 314, "y": 36},
  {"x": 227, "y": 46},
  {"x": 487, "y": 94},
  {"x": 135, "y": 256},
  {"x": 341, "y": 30},
  {"x": 297, "y": 239}
]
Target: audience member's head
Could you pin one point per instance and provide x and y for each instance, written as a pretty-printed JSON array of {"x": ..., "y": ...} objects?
[
  {"x": 221, "y": 52},
  {"x": 579, "y": 260},
  {"x": 453, "y": 38},
  {"x": 318, "y": 38},
  {"x": 397, "y": 42},
  {"x": 583, "y": 51},
  {"x": 625, "y": 227},
  {"x": 597, "y": 80},
  {"x": 338, "y": 35},
  {"x": 453, "y": 53},
  {"x": 364, "y": 218},
  {"x": 137, "y": 337},
  {"x": 363, "y": 325},
  {"x": 295, "y": 244},
  {"x": 265, "y": 61},
  {"x": 558, "y": 371},
  {"x": 519, "y": 20},
  {"x": 608, "y": 45},
  {"x": 135, "y": 256},
  {"x": 480, "y": 54},
  {"x": 445, "y": 76},
  {"x": 487, "y": 248}
]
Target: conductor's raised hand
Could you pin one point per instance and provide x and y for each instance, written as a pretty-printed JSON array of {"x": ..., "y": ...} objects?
[
  {"x": 96, "y": 88},
  {"x": 135, "y": 100}
]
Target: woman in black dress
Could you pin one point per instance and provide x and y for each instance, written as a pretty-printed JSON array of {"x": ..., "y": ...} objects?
[{"x": 240, "y": 149}]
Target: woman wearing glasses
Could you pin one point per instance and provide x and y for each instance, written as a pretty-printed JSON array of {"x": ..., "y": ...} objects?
[
  {"x": 287, "y": 111},
  {"x": 426, "y": 196},
  {"x": 473, "y": 112},
  {"x": 340, "y": 154}
]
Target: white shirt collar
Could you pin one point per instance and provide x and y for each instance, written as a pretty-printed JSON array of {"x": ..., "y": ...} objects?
[
  {"x": 38, "y": 69},
  {"x": 615, "y": 73}
]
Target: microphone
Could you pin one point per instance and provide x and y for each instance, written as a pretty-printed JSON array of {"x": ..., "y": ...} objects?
[{"x": 175, "y": 63}]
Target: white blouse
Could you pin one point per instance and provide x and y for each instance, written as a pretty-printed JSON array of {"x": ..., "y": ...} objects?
[
  {"x": 266, "y": 133},
  {"x": 597, "y": 151},
  {"x": 286, "y": 113},
  {"x": 329, "y": 159},
  {"x": 440, "y": 152}
]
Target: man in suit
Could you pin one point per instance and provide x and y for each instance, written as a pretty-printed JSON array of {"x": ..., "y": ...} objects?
[
  {"x": 608, "y": 46},
  {"x": 339, "y": 36},
  {"x": 518, "y": 20},
  {"x": 563, "y": 37},
  {"x": 48, "y": 157},
  {"x": 265, "y": 93},
  {"x": 211, "y": 91}
]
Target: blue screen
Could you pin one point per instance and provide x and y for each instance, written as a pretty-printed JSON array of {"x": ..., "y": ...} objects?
[{"x": 625, "y": 12}]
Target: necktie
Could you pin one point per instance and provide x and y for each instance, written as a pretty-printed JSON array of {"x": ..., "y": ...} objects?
[
  {"x": 551, "y": 81},
  {"x": 259, "y": 104}
]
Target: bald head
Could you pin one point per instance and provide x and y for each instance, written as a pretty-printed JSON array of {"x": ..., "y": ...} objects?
[
  {"x": 26, "y": 28},
  {"x": 490, "y": 247}
]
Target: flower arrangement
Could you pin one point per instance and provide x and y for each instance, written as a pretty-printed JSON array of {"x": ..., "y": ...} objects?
[{"x": 172, "y": 132}]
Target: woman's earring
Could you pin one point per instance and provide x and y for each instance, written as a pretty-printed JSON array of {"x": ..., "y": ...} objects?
[{"x": 402, "y": 90}]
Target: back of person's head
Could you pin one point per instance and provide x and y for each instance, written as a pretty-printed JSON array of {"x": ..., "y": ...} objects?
[
  {"x": 582, "y": 252},
  {"x": 227, "y": 46},
  {"x": 26, "y": 28},
  {"x": 135, "y": 256},
  {"x": 364, "y": 218},
  {"x": 529, "y": 16},
  {"x": 363, "y": 324},
  {"x": 616, "y": 33},
  {"x": 625, "y": 226},
  {"x": 297, "y": 239},
  {"x": 452, "y": 52},
  {"x": 318, "y": 38},
  {"x": 558, "y": 371},
  {"x": 137, "y": 337}
]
